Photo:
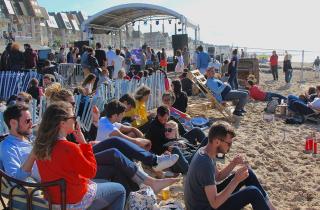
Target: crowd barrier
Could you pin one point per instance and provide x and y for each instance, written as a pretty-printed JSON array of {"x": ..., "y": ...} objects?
[
  {"x": 105, "y": 93},
  {"x": 13, "y": 82}
]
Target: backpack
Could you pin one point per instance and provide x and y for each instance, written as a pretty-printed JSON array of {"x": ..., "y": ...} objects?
[{"x": 272, "y": 106}]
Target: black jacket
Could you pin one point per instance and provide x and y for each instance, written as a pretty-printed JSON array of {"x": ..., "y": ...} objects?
[{"x": 181, "y": 102}]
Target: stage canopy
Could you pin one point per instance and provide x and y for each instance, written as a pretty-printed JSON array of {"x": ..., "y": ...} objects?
[{"x": 112, "y": 19}]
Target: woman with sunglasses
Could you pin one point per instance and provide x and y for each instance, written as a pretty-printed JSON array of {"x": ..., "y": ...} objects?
[
  {"x": 180, "y": 146},
  {"x": 58, "y": 158}
]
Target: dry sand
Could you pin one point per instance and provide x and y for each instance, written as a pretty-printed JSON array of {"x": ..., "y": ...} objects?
[{"x": 275, "y": 149}]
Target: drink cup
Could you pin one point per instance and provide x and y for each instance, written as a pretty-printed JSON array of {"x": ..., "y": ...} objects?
[{"x": 165, "y": 193}]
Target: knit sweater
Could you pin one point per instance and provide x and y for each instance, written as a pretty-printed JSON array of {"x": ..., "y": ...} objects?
[{"x": 74, "y": 163}]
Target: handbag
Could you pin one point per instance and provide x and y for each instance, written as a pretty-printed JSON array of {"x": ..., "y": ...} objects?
[{"x": 142, "y": 199}]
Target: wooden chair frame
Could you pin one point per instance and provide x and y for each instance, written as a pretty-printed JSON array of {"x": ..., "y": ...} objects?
[{"x": 22, "y": 186}]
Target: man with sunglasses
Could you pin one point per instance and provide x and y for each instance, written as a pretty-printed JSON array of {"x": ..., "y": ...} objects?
[
  {"x": 208, "y": 188},
  {"x": 15, "y": 150}
]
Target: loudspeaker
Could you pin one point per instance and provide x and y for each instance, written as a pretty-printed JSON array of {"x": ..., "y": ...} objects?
[
  {"x": 179, "y": 41},
  {"x": 79, "y": 45}
]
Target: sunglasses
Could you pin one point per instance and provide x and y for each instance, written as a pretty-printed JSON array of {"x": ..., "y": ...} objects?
[
  {"x": 22, "y": 99},
  {"x": 169, "y": 130},
  {"x": 27, "y": 121},
  {"x": 72, "y": 117}
]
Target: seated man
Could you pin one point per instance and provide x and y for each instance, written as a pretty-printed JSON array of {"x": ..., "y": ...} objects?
[
  {"x": 201, "y": 190},
  {"x": 223, "y": 92},
  {"x": 300, "y": 107},
  {"x": 257, "y": 94},
  {"x": 17, "y": 159},
  {"x": 110, "y": 125}
]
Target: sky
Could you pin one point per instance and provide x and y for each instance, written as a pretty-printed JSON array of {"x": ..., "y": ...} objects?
[{"x": 271, "y": 24}]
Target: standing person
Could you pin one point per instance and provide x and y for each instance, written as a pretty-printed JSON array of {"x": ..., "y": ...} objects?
[
  {"x": 242, "y": 54},
  {"x": 233, "y": 77},
  {"x": 287, "y": 68},
  {"x": 163, "y": 60},
  {"x": 84, "y": 61},
  {"x": 110, "y": 56},
  {"x": 5, "y": 57},
  {"x": 203, "y": 60},
  {"x": 274, "y": 65},
  {"x": 180, "y": 64},
  {"x": 100, "y": 55},
  {"x": 149, "y": 62},
  {"x": 186, "y": 57},
  {"x": 195, "y": 58},
  {"x": 16, "y": 58},
  {"x": 207, "y": 187},
  {"x": 69, "y": 55},
  {"x": 30, "y": 57},
  {"x": 127, "y": 59},
  {"x": 118, "y": 63},
  {"x": 316, "y": 65},
  {"x": 34, "y": 90},
  {"x": 88, "y": 84},
  {"x": 58, "y": 158},
  {"x": 62, "y": 56}
]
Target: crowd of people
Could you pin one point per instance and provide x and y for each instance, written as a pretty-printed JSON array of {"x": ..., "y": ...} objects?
[{"x": 99, "y": 165}]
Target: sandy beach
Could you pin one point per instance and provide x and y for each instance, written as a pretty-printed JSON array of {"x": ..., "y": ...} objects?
[{"x": 275, "y": 149}]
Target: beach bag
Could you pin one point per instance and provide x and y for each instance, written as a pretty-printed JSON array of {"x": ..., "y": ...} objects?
[
  {"x": 170, "y": 205},
  {"x": 272, "y": 106},
  {"x": 142, "y": 199}
]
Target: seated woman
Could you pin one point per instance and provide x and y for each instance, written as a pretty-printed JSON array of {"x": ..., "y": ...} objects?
[
  {"x": 180, "y": 146},
  {"x": 308, "y": 96},
  {"x": 66, "y": 162},
  {"x": 88, "y": 84},
  {"x": 181, "y": 102},
  {"x": 76, "y": 164},
  {"x": 141, "y": 96},
  {"x": 168, "y": 99},
  {"x": 302, "y": 108},
  {"x": 257, "y": 94}
]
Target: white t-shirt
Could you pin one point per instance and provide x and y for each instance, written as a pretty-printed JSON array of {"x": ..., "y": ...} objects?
[
  {"x": 316, "y": 103},
  {"x": 118, "y": 64},
  {"x": 105, "y": 128}
]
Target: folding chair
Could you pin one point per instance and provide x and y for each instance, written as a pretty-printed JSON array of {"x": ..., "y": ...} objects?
[
  {"x": 200, "y": 81},
  {"x": 314, "y": 117}
]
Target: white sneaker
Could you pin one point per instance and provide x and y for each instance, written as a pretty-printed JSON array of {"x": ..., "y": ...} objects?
[{"x": 165, "y": 161}]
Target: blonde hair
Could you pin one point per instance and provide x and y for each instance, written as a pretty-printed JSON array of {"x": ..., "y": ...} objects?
[
  {"x": 61, "y": 95},
  {"x": 175, "y": 125},
  {"x": 25, "y": 96},
  {"x": 141, "y": 92},
  {"x": 53, "y": 88}
]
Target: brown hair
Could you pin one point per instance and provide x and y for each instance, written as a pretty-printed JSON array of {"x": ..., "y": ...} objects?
[
  {"x": 61, "y": 95},
  {"x": 88, "y": 79},
  {"x": 219, "y": 130},
  {"x": 49, "y": 129},
  {"x": 25, "y": 95}
]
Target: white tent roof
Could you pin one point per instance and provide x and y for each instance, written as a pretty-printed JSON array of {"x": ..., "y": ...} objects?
[{"x": 115, "y": 17}]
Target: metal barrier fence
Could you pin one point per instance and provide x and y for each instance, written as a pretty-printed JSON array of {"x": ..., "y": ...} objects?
[
  {"x": 105, "y": 93},
  {"x": 13, "y": 82}
]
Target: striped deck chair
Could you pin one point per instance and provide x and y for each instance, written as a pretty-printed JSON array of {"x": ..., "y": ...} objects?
[{"x": 200, "y": 81}]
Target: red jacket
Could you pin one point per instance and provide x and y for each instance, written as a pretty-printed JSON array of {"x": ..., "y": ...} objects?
[
  {"x": 257, "y": 94},
  {"x": 74, "y": 163},
  {"x": 274, "y": 60}
]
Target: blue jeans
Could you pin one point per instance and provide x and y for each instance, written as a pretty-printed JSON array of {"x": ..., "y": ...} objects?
[
  {"x": 114, "y": 166},
  {"x": 182, "y": 165},
  {"x": 274, "y": 71},
  {"x": 233, "y": 79},
  {"x": 288, "y": 75},
  {"x": 301, "y": 108},
  {"x": 240, "y": 95},
  {"x": 271, "y": 95},
  {"x": 129, "y": 149},
  {"x": 252, "y": 194},
  {"x": 109, "y": 195},
  {"x": 292, "y": 99}
]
